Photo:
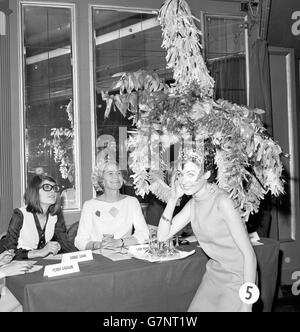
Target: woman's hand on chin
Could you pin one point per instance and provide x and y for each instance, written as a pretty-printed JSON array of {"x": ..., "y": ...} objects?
[{"x": 176, "y": 189}]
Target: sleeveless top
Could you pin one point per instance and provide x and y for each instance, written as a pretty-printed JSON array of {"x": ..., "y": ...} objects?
[{"x": 226, "y": 260}]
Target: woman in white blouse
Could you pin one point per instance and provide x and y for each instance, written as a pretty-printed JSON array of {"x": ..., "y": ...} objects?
[{"x": 111, "y": 213}]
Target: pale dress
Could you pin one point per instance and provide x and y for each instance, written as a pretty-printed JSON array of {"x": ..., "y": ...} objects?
[{"x": 219, "y": 288}]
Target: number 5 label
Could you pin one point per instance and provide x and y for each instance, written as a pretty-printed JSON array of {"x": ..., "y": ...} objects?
[{"x": 249, "y": 293}]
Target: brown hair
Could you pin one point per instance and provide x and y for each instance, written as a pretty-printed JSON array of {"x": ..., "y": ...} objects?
[
  {"x": 204, "y": 160},
  {"x": 32, "y": 196}
]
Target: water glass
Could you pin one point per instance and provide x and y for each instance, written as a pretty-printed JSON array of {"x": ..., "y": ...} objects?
[
  {"x": 176, "y": 240},
  {"x": 162, "y": 250},
  {"x": 171, "y": 248},
  {"x": 153, "y": 243},
  {"x": 106, "y": 238}
]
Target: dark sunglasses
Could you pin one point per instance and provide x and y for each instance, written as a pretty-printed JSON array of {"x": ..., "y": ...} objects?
[{"x": 48, "y": 187}]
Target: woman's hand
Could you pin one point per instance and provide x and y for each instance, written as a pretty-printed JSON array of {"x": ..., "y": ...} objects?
[
  {"x": 6, "y": 256},
  {"x": 112, "y": 243},
  {"x": 51, "y": 247},
  {"x": 16, "y": 267},
  {"x": 176, "y": 190},
  {"x": 96, "y": 245}
]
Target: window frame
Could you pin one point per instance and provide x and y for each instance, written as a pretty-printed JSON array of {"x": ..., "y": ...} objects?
[
  {"x": 75, "y": 94},
  {"x": 204, "y": 15},
  {"x": 85, "y": 87},
  {"x": 92, "y": 52}
]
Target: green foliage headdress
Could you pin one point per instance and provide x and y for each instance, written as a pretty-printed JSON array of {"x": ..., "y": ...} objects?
[{"x": 247, "y": 159}]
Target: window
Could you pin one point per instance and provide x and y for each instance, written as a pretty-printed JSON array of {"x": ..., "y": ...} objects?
[
  {"x": 124, "y": 41},
  {"x": 225, "y": 51},
  {"x": 49, "y": 97}
]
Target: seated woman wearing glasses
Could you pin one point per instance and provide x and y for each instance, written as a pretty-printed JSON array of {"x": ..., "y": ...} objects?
[
  {"x": 38, "y": 229},
  {"x": 111, "y": 213}
]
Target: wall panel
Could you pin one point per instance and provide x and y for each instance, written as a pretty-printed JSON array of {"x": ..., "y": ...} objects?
[{"x": 284, "y": 109}]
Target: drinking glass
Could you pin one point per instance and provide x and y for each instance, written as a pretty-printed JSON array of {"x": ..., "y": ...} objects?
[
  {"x": 162, "y": 250},
  {"x": 171, "y": 248},
  {"x": 153, "y": 243},
  {"x": 176, "y": 240},
  {"x": 106, "y": 238}
]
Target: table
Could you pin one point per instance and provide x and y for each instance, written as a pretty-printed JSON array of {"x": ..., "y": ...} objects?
[{"x": 132, "y": 285}]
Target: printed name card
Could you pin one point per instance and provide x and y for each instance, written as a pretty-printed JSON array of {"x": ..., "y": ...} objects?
[
  {"x": 77, "y": 256},
  {"x": 60, "y": 269}
]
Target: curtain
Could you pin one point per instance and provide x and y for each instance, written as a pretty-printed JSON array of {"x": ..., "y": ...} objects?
[
  {"x": 260, "y": 85},
  {"x": 229, "y": 73},
  {"x": 260, "y": 97}
]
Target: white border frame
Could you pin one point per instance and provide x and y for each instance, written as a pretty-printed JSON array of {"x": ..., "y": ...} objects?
[{"x": 74, "y": 53}]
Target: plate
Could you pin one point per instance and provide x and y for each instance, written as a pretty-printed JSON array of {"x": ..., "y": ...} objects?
[{"x": 141, "y": 252}]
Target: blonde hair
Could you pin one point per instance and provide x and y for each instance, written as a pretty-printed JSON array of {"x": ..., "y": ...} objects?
[{"x": 98, "y": 173}]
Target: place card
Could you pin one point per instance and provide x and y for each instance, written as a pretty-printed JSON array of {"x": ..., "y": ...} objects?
[
  {"x": 77, "y": 256},
  {"x": 254, "y": 237},
  {"x": 60, "y": 269},
  {"x": 114, "y": 255}
]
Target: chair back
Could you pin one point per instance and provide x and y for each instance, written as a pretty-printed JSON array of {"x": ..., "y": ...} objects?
[{"x": 72, "y": 231}]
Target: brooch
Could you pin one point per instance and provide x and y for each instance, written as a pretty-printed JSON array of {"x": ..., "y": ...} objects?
[{"x": 97, "y": 213}]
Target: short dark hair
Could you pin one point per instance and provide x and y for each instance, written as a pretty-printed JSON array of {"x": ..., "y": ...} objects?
[
  {"x": 209, "y": 160},
  {"x": 32, "y": 196},
  {"x": 206, "y": 161}
]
